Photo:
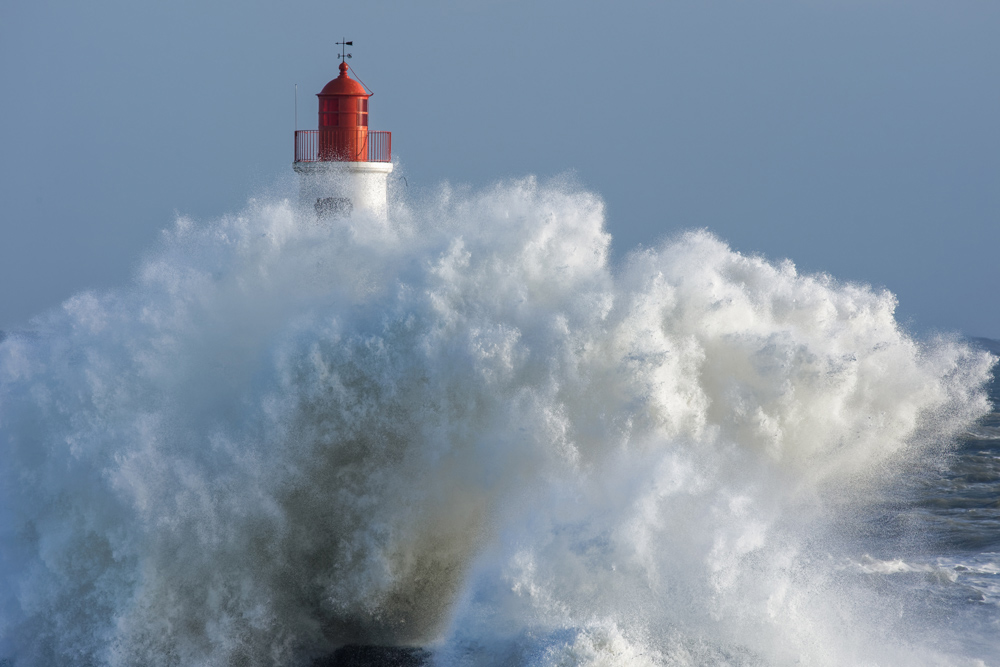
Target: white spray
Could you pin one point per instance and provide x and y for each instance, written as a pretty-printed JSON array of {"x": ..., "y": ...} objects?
[{"x": 460, "y": 429}]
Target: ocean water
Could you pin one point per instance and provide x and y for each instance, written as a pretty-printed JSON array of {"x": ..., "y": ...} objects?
[{"x": 466, "y": 430}]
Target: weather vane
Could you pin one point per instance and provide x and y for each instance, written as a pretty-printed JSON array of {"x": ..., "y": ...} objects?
[{"x": 343, "y": 46}]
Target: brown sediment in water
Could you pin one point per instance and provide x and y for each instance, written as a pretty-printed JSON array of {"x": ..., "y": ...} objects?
[{"x": 355, "y": 655}]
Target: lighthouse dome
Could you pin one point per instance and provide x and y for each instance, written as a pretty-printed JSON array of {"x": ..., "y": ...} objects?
[{"x": 344, "y": 85}]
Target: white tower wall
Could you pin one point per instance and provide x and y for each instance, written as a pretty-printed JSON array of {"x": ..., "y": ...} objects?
[{"x": 333, "y": 184}]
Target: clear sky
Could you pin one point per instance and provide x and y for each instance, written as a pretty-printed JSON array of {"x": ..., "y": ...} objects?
[{"x": 859, "y": 138}]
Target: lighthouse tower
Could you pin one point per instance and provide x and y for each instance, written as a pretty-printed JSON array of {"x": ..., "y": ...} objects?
[{"x": 343, "y": 167}]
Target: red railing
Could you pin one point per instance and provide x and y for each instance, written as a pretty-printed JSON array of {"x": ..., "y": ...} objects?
[
  {"x": 379, "y": 146},
  {"x": 307, "y": 146}
]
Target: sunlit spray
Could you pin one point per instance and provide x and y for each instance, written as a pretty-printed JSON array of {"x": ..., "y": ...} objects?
[{"x": 461, "y": 429}]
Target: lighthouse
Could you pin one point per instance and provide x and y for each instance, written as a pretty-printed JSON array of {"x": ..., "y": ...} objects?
[{"x": 343, "y": 166}]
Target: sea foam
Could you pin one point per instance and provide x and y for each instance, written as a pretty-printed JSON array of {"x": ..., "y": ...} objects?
[{"x": 463, "y": 429}]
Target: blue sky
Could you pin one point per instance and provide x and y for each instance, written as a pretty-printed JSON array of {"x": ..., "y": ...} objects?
[{"x": 856, "y": 138}]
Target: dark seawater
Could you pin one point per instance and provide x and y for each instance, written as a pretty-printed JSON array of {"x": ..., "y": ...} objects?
[
  {"x": 935, "y": 544},
  {"x": 959, "y": 509}
]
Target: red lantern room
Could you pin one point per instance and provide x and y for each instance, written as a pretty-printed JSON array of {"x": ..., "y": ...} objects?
[{"x": 343, "y": 120}]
